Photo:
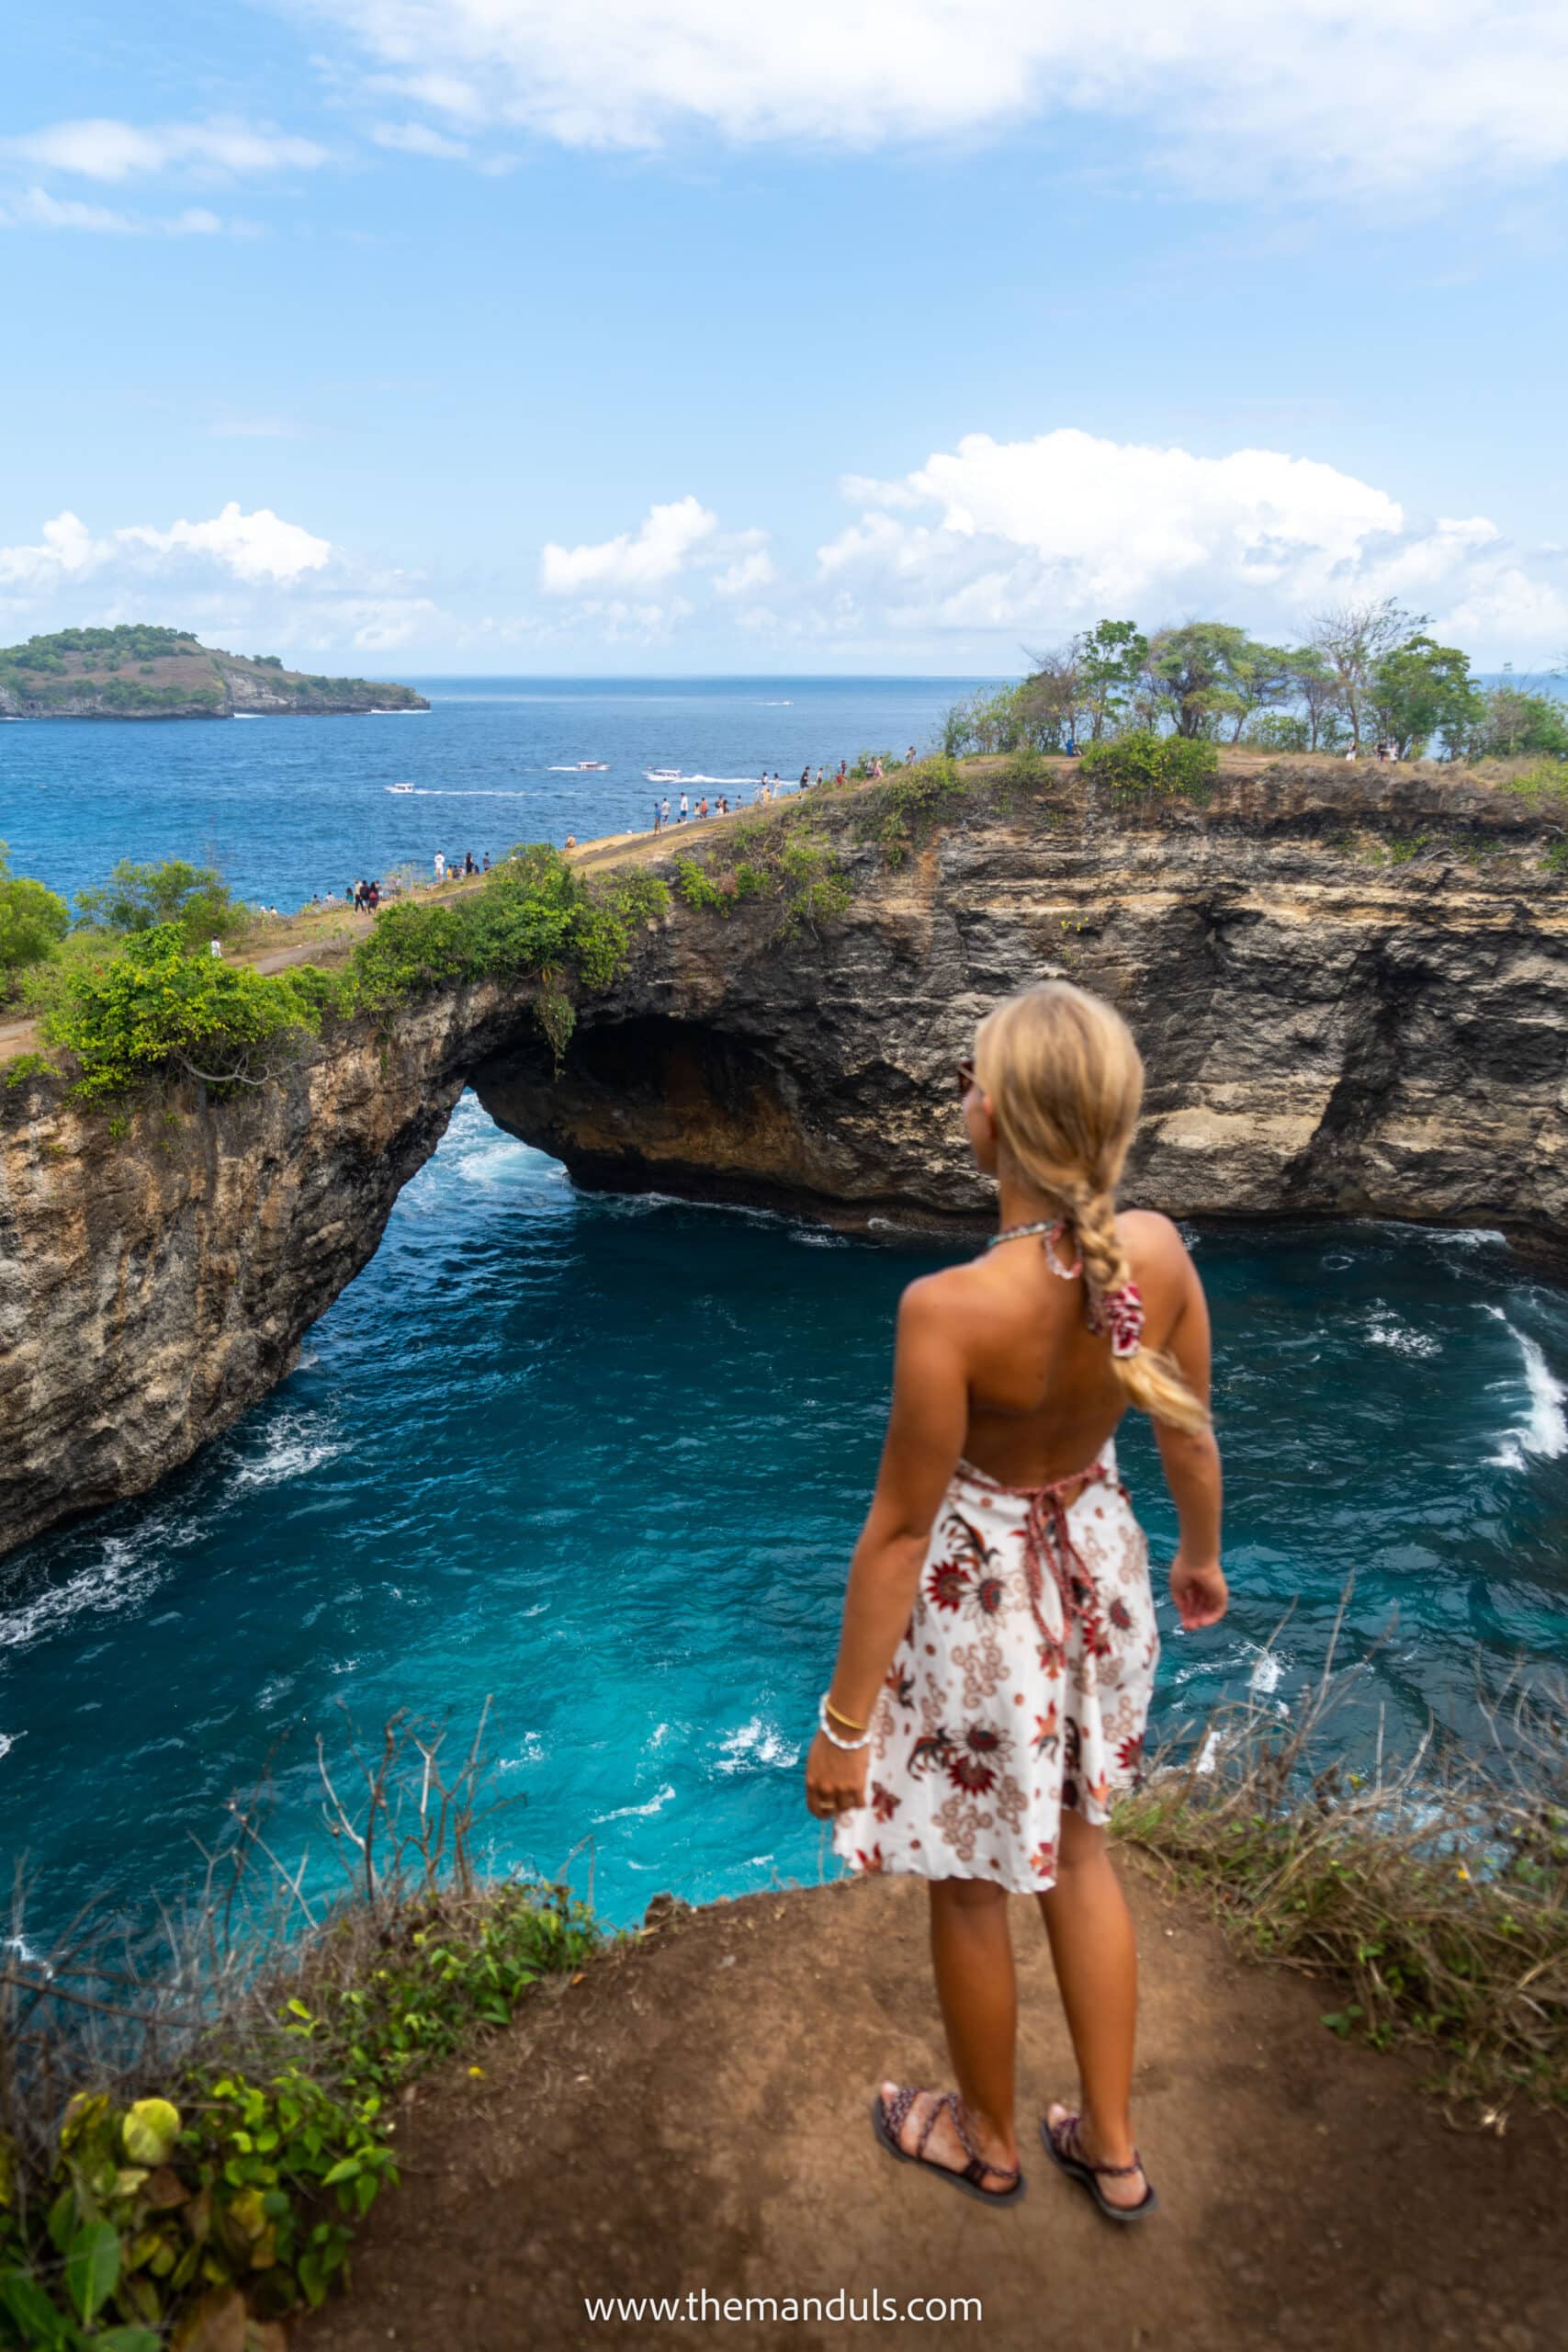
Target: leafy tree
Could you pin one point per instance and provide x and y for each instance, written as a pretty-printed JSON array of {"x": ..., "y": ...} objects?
[
  {"x": 1352, "y": 640},
  {"x": 1314, "y": 682},
  {"x": 1144, "y": 760},
  {"x": 33, "y": 919},
  {"x": 138, "y": 898},
  {"x": 1516, "y": 721},
  {"x": 1422, "y": 689},
  {"x": 1111, "y": 659},
  {"x": 1207, "y": 673}
]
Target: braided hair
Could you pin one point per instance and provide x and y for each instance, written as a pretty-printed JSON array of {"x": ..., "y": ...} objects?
[{"x": 1065, "y": 1081}]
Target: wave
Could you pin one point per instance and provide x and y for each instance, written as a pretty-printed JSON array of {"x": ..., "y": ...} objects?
[
  {"x": 295, "y": 1446},
  {"x": 1544, "y": 1429},
  {"x": 650, "y": 778},
  {"x": 441, "y": 792},
  {"x": 122, "y": 1571},
  {"x": 755, "y": 1743},
  {"x": 1385, "y": 1329},
  {"x": 639, "y": 1812}
]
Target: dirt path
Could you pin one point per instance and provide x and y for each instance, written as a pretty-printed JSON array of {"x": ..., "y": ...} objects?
[{"x": 692, "y": 2117}]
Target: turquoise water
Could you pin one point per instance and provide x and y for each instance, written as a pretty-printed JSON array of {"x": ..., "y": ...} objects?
[
  {"x": 290, "y": 807},
  {"x": 606, "y": 1459}
]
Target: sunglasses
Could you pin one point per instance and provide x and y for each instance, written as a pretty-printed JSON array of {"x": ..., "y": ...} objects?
[{"x": 965, "y": 1080}]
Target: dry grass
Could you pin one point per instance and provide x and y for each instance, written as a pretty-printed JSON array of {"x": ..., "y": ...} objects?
[{"x": 1432, "y": 1894}]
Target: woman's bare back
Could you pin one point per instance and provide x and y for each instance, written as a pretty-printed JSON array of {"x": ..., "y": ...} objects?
[{"x": 1043, "y": 1396}]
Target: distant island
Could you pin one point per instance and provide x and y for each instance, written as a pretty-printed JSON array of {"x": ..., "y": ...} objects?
[{"x": 145, "y": 673}]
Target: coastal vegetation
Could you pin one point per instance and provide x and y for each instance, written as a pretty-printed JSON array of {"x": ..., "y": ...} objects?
[
  {"x": 138, "y": 991},
  {"x": 1360, "y": 673},
  {"x": 188, "y": 2141},
  {"x": 1431, "y": 1894}
]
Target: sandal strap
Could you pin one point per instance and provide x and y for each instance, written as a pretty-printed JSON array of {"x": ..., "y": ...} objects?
[
  {"x": 1068, "y": 2136},
  {"x": 897, "y": 2110},
  {"x": 977, "y": 2165}
]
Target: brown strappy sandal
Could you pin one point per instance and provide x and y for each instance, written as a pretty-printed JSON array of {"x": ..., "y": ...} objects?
[
  {"x": 1065, "y": 2148},
  {"x": 887, "y": 2120}
]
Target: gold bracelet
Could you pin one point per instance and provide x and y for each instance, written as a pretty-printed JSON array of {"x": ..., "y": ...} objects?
[{"x": 840, "y": 1717}]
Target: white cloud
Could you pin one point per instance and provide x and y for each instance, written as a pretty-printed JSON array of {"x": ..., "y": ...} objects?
[
  {"x": 1387, "y": 93},
  {"x": 36, "y": 208},
  {"x": 659, "y": 548},
  {"x": 382, "y": 623},
  {"x": 1037, "y": 538},
  {"x": 100, "y": 149},
  {"x": 258, "y": 546},
  {"x": 754, "y": 567},
  {"x": 418, "y": 139}
]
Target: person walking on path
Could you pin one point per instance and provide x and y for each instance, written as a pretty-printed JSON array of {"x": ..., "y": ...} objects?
[
  {"x": 658, "y": 821},
  {"x": 664, "y": 811},
  {"x": 440, "y": 867},
  {"x": 684, "y": 809},
  {"x": 998, "y": 1642}
]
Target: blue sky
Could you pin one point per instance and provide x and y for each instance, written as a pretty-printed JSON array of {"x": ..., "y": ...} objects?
[{"x": 667, "y": 335}]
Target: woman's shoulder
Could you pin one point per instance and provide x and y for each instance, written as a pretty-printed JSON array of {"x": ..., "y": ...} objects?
[{"x": 1153, "y": 1245}]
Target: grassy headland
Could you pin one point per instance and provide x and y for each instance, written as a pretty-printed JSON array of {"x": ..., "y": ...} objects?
[{"x": 141, "y": 671}]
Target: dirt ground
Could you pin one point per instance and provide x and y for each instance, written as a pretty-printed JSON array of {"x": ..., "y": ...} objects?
[{"x": 692, "y": 2117}]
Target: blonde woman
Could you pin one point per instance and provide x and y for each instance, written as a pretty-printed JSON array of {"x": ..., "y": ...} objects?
[{"x": 998, "y": 1643}]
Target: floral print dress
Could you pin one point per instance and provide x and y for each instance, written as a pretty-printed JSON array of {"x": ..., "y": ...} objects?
[{"x": 1022, "y": 1684}]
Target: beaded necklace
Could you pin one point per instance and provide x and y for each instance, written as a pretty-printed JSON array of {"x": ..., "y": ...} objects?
[{"x": 1050, "y": 1232}]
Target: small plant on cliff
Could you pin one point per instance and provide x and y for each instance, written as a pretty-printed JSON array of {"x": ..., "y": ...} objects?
[
  {"x": 196, "y": 2150},
  {"x": 905, "y": 807},
  {"x": 1143, "y": 762},
  {"x": 155, "y": 1007}
]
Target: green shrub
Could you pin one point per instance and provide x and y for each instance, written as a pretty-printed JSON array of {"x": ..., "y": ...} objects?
[
  {"x": 137, "y": 898},
  {"x": 21, "y": 1066},
  {"x": 240, "y": 2190},
  {"x": 695, "y": 885},
  {"x": 1543, "y": 784},
  {"x": 155, "y": 1007},
  {"x": 1142, "y": 761},
  {"x": 33, "y": 921}
]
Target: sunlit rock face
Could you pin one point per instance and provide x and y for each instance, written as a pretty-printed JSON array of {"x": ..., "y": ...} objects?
[{"x": 1350, "y": 989}]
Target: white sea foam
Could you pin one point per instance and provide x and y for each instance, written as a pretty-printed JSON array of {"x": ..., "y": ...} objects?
[
  {"x": 1385, "y": 1329},
  {"x": 296, "y": 1445},
  {"x": 1468, "y": 1238},
  {"x": 1209, "y": 1756},
  {"x": 1544, "y": 1429},
  {"x": 637, "y": 1811},
  {"x": 440, "y": 791},
  {"x": 121, "y": 1572},
  {"x": 9, "y": 1740},
  {"x": 1268, "y": 1666},
  {"x": 755, "y": 1743}
]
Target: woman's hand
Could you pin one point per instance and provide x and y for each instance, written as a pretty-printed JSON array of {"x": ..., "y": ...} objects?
[
  {"x": 1199, "y": 1590},
  {"x": 835, "y": 1780}
]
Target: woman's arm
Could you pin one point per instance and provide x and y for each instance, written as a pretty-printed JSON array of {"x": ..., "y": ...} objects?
[
  {"x": 1191, "y": 1460},
  {"x": 926, "y": 1429}
]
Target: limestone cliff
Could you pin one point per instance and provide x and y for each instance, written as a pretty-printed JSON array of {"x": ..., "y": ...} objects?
[{"x": 1351, "y": 990}]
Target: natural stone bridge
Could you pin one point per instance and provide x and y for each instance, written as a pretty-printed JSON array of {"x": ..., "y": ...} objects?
[{"x": 1350, "y": 989}]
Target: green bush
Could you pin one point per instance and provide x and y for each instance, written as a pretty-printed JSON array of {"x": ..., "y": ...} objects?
[
  {"x": 1142, "y": 761},
  {"x": 239, "y": 2191},
  {"x": 33, "y": 919},
  {"x": 138, "y": 898},
  {"x": 154, "y": 1007}
]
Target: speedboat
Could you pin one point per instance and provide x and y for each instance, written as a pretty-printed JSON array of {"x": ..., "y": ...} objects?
[
  {"x": 399, "y": 788},
  {"x": 601, "y": 765},
  {"x": 663, "y": 776}
]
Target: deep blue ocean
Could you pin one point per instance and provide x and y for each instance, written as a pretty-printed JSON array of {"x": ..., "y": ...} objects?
[{"x": 605, "y": 1459}]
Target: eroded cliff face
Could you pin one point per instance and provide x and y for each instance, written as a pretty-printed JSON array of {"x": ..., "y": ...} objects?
[{"x": 1351, "y": 992}]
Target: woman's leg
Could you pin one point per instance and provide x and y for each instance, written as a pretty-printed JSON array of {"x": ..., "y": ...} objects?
[
  {"x": 972, "y": 1956},
  {"x": 1097, "y": 1968}
]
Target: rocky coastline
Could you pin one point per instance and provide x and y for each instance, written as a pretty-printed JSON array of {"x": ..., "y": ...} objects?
[
  {"x": 1351, "y": 990},
  {"x": 179, "y": 678}
]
